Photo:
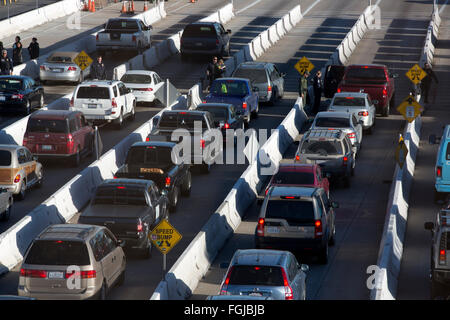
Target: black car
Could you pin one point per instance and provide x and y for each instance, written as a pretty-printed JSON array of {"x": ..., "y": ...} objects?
[
  {"x": 225, "y": 116},
  {"x": 20, "y": 94},
  {"x": 208, "y": 38}
]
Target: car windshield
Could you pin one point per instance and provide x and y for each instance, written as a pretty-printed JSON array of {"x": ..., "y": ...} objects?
[
  {"x": 366, "y": 74},
  {"x": 294, "y": 211},
  {"x": 323, "y": 148},
  {"x": 349, "y": 102},
  {"x": 11, "y": 84},
  {"x": 293, "y": 177},
  {"x": 61, "y": 59},
  {"x": 243, "y": 275},
  {"x": 171, "y": 120},
  {"x": 120, "y": 195},
  {"x": 254, "y": 75},
  {"x": 125, "y": 25},
  {"x": 219, "y": 114},
  {"x": 136, "y": 78},
  {"x": 149, "y": 156},
  {"x": 229, "y": 87},
  {"x": 58, "y": 253},
  {"x": 93, "y": 92},
  {"x": 48, "y": 126},
  {"x": 5, "y": 158},
  {"x": 329, "y": 122},
  {"x": 199, "y": 31}
]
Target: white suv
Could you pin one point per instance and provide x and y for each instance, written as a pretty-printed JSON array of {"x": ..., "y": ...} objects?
[{"x": 104, "y": 101}]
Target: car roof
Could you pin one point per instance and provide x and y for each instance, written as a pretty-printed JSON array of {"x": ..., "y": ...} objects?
[
  {"x": 10, "y": 147},
  {"x": 292, "y": 191},
  {"x": 71, "y": 54},
  {"x": 370, "y": 65},
  {"x": 261, "y": 257},
  {"x": 98, "y": 83},
  {"x": 350, "y": 94},
  {"x": 124, "y": 181},
  {"x": 53, "y": 114},
  {"x": 254, "y": 65},
  {"x": 15, "y": 77},
  {"x": 155, "y": 144},
  {"x": 214, "y": 105},
  {"x": 333, "y": 114},
  {"x": 234, "y": 79},
  {"x": 147, "y": 72},
  {"x": 202, "y": 23},
  {"x": 68, "y": 232},
  {"x": 297, "y": 167},
  {"x": 195, "y": 112}
]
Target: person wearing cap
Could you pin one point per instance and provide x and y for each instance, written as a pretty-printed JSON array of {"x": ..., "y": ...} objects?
[
  {"x": 17, "y": 52},
  {"x": 6, "y": 64},
  {"x": 303, "y": 87},
  {"x": 33, "y": 49},
  {"x": 98, "y": 69},
  {"x": 426, "y": 82},
  {"x": 318, "y": 88}
]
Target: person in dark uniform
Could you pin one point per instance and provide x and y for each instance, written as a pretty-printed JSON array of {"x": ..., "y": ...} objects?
[
  {"x": 6, "y": 64},
  {"x": 33, "y": 49},
  {"x": 318, "y": 88},
  {"x": 303, "y": 87},
  {"x": 211, "y": 71},
  {"x": 98, "y": 69},
  {"x": 17, "y": 52},
  {"x": 426, "y": 82}
]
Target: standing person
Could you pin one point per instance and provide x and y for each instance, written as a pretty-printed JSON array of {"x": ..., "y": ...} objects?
[
  {"x": 318, "y": 88},
  {"x": 303, "y": 87},
  {"x": 211, "y": 71},
  {"x": 98, "y": 69},
  {"x": 33, "y": 49},
  {"x": 6, "y": 64},
  {"x": 17, "y": 52},
  {"x": 426, "y": 82},
  {"x": 220, "y": 69}
]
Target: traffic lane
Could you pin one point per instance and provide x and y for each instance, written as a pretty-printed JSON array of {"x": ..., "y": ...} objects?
[{"x": 22, "y": 6}]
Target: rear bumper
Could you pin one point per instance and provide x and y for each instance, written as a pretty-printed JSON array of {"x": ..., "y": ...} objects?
[
  {"x": 12, "y": 106},
  {"x": 440, "y": 187},
  {"x": 89, "y": 293},
  {"x": 442, "y": 276},
  {"x": 143, "y": 97},
  {"x": 122, "y": 47},
  {"x": 289, "y": 243},
  {"x": 59, "y": 76},
  {"x": 45, "y": 156},
  {"x": 13, "y": 188},
  {"x": 215, "y": 51}
]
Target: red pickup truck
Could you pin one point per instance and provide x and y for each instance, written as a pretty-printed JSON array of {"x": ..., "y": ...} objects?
[{"x": 374, "y": 79}]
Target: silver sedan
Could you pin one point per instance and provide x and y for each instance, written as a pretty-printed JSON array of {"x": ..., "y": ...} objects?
[{"x": 60, "y": 66}]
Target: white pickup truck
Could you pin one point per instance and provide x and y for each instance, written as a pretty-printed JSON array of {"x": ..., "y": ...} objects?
[{"x": 124, "y": 34}]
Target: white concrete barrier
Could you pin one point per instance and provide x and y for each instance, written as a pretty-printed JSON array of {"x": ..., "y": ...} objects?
[
  {"x": 280, "y": 28},
  {"x": 120, "y": 70},
  {"x": 287, "y": 23},
  {"x": 273, "y": 34},
  {"x": 295, "y": 15},
  {"x": 194, "y": 96},
  {"x": 226, "y": 13},
  {"x": 256, "y": 46},
  {"x": 150, "y": 58},
  {"x": 211, "y": 18},
  {"x": 265, "y": 43}
]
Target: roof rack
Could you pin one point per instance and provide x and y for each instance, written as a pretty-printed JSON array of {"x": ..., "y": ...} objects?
[
  {"x": 323, "y": 133},
  {"x": 444, "y": 217}
]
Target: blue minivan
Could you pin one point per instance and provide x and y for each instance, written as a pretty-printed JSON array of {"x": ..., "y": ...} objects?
[{"x": 442, "y": 167}]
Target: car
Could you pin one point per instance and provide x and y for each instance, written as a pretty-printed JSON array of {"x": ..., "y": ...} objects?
[
  {"x": 333, "y": 76},
  {"x": 238, "y": 92},
  {"x": 440, "y": 252},
  {"x": 343, "y": 121},
  {"x": 374, "y": 79},
  {"x": 104, "y": 101},
  {"x": 274, "y": 274},
  {"x": 204, "y": 38},
  {"x": 225, "y": 116},
  {"x": 19, "y": 170},
  {"x": 144, "y": 85},
  {"x": 59, "y": 134},
  {"x": 60, "y": 66},
  {"x": 442, "y": 164},
  {"x": 300, "y": 219},
  {"x": 331, "y": 150},
  {"x": 299, "y": 175},
  {"x": 20, "y": 94},
  {"x": 265, "y": 76},
  {"x": 6, "y": 200},
  {"x": 72, "y": 262},
  {"x": 357, "y": 103}
]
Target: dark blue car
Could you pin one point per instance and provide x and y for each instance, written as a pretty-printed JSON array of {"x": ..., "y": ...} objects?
[{"x": 238, "y": 92}]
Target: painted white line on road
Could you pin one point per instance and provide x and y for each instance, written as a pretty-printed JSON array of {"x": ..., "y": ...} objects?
[
  {"x": 248, "y": 7},
  {"x": 188, "y": 4},
  {"x": 443, "y": 6},
  {"x": 310, "y": 8}
]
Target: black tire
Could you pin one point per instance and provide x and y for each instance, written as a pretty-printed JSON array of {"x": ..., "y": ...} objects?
[
  {"x": 255, "y": 113},
  {"x": 91, "y": 151},
  {"x": 187, "y": 184},
  {"x": 76, "y": 158},
  {"x": 140, "y": 49},
  {"x": 146, "y": 253},
  {"x": 273, "y": 98},
  {"x": 121, "y": 279},
  {"x": 174, "y": 199},
  {"x": 323, "y": 254},
  {"x": 119, "y": 121},
  {"x": 27, "y": 107},
  {"x": 23, "y": 191},
  {"x": 206, "y": 168},
  {"x": 40, "y": 183},
  {"x": 437, "y": 196},
  {"x": 41, "y": 101},
  {"x": 332, "y": 240},
  {"x": 386, "y": 110},
  {"x": 370, "y": 130},
  {"x": 103, "y": 291},
  {"x": 133, "y": 111},
  {"x": 7, "y": 213}
]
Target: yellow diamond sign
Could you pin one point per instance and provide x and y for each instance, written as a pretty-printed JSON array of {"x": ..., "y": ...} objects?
[
  {"x": 303, "y": 65},
  {"x": 409, "y": 108},
  {"x": 400, "y": 153},
  {"x": 164, "y": 236},
  {"x": 416, "y": 74},
  {"x": 83, "y": 60}
]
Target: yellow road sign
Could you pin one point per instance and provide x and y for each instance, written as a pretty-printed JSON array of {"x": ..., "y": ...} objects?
[
  {"x": 83, "y": 60},
  {"x": 164, "y": 236},
  {"x": 416, "y": 74},
  {"x": 409, "y": 108},
  {"x": 400, "y": 153},
  {"x": 303, "y": 65}
]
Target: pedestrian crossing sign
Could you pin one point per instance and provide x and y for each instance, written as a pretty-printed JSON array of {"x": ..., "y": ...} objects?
[
  {"x": 303, "y": 65},
  {"x": 416, "y": 74},
  {"x": 409, "y": 108},
  {"x": 164, "y": 236},
  {"x": 83, "y": 60}
]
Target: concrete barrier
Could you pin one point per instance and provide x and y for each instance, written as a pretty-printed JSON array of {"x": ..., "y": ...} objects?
[
  {"x": 265, "y": 42},
  {"x": 256, "y": 46},
  {"x": 150, "y": 58},
  {"x": 295, "y": 15},
  {"x": 226, "y": 13},
  {"x": 273, "y": 34},
  {"x": 194, "y": 97}
]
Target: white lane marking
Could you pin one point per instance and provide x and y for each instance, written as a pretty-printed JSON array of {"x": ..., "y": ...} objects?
[
  {"x": 188, "y": 4},
  {"x": 443, "y": 6},
  {"x": 248, "y": 7},
  {"x": 310, "y": 8},
  {"x": 173, "y": 4}
]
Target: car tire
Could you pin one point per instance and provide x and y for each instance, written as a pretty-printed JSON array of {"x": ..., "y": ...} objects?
[
  {"x": 119, "y": 121},
  {"x": 352, "y": 171},
  {"x": 187, "y": 185},
  {"x": 332, "y": 240},
  {"x": 255, "y": 113},
  {"x": 174, "y": 199},
  {"x": 27, "y": 108},
  {"x": 91, "y": 152},
  {"x": 41, "y": 101},
  {"x": 370, "y": 130},
  {"x": 121, "y": 279},
  {"x": 206, "y": 168},
  {"x": 40, "y": 183},
  {"x": 23, "y": 190},
  {"x": 7, "y": 213},
  {"x": 146, "y": 253},
  {"x": 273, "y": 98},
  {"x": 76, "y": 158},
  {"x": 437, "y": 196},
  {"x": 248, "y": 119},
  {"x": 140, "y": 49},
  {"x": 103, "y": 291},
  {"x": 323, "y": 254},
  {"x": 133, "y": 111},
  {"x": 387, "y": 110}
]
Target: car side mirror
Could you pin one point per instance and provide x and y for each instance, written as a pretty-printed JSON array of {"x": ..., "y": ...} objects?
[
  {"x": 120, "y": 243},
  {"x": 429, "y": 226},
  {"x": 164, "y": 192},
  {"x": 304, "y": 268},
  {"x": 335, "y": 205},
  {"x": 229, "y": 31},
  {"x": 394, "y": 75}
]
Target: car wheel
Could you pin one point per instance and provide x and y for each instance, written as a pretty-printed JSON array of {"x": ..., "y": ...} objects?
[
  {"x": 146, "y": 253},
  {"x": 23, "y": 190},
  {"x": 27, "y": 107},
  {"x": 121, "y": 279},
  {"x": 91, "y": 152},
  {"x": 206, "y": 168},
  {"x": 119, "y": 121},
  {"x": 187, "y": 185},
  {"x": 323, "y": 255},
  {"x": 103, "y": 290},
  {"x": 333, "y": 237},
  {"x": 352, "y": 171},
  {"x": 7, "y": 213},
  {"x": 41, "y": 101},
  {"x": 41, "y": 179},
  {"x": 273, "y": 98},
  {"x": 437, "y": 196},
  {"x": 248, "y": 119},
  {"x": 255, "y": 113},
  {"x": 76, "y": 158},
  {"x": 133, "y": 111},
  {"x": 174, "y": 199},
  {"x": 386, "y": 110},
  {"x": 140, "y": 49},
  {"x": 369, "y": 130}
]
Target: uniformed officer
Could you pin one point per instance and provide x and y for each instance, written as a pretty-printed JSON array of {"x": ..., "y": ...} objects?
[
  {"x": 426, "y": 82},
  {"x": 33, "y": 49},
  {"x": 17, "y": 52},
  {"x": 318, "y": 88},
  {"x": 98, "y": 69},
  {"x": 303, "y": 86},
  {"x": 6, "y": 64}
]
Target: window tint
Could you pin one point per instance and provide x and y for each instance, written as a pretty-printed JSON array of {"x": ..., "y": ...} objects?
[
  {"x": 319, "y": 206},
  {"x": 332, "y": 122},
  {"x": 292, "y": 269},
  {"x": 93, "y": 93},
  {"x": 295, "y": 212},
  {"x": 83, "y": 121},
  {"x": 216, "y": 26},
  {"x": 115, "y": 91},
  {"x": 325, "y": 200},
  {"x": 254, "y": 75},
  {"x": 28, "y": 155},
  {"x": 10, "y": 84},
  {"x": 149, "y": 156},
  {"x": 73, "y": 127},
  {"x": 355, "y": 122},
  {"x": 292, "y": 177},
  {"x": 21, "y": 156},
  {"x": 59, "y": 59},
  {"x": 229, "y": 87},
  {"x": 256, "y": 275},
  {"x": 366, "y": 73},
  {"x": 136, "y": 78},
  {"x": 108, "y": 243},
  {"x": 219, "y": 114},
  {"x": 321, "y": 147},
  {"x": 447, "y": 155},
  {"x": 199, "y": 31},
  {"x": 43, "y": 125},
  {"x": 349, "y": 102},
  {"x": 5, "y": 158},
  {"x": 97, "y": 246},
  {"x": 127, "y": 25},
  {"x": 120, "y": 195},
  {"x": 58, "y": 253},
  {"x": 181, "y": 120},
  {"x": 122, "y": 89}
]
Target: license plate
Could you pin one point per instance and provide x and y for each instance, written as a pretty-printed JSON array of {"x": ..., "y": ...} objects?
[
  {"x": 46, "y": 147},
  {"x": 92, "y": 106},
  {"x": 55, "y": 275},
  {"x": 199, "y": 44},
  {"x": 301, "y": 229},
  {"x": 115, "y": 47},
  {"x": 2, "y": 98},
  {"x": 255, "y": 294},
  {"x": 273, "y": 230},
  {"x": 151, "y": 170},
  {"x": 57, "y": 70}
]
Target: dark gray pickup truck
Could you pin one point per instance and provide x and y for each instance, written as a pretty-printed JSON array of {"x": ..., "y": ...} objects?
[
  {"x": 153, "y": 161},
  {"x": 130, "y": 208}
]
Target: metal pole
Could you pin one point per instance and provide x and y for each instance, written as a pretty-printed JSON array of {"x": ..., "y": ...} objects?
[
  {"x": 167, "y": 92},
  {"x": 96, "y": 142},
  {"x": 164, "y": 266}
]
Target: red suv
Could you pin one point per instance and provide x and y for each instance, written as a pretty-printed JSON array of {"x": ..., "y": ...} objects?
[{"x": 59, "y": 134}]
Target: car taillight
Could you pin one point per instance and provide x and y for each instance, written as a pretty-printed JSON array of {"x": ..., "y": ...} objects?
[
  {"x": 71, "y": 101},
  {"x": 339, "y": 90},
  {"x": 140, "y": 227},
  {"x": 351, "y": 135},
  {"x": 96, "y": 37},
  {"x": 344, "y": 161},
  {"x": 69, "y": 143},
  {"x": 217, "y": 42},
  {"x": 144, "y": 89},
  {"x": 267, "y": 191},
  {"x": 244, "y": 105},
  {"x": 439, "y": 172},
  {"x": 288, "y": 293},
  {"x": 318, "y": 229},
  {"x": 168, "y": 181},
  {"x": 224, "y": 291},
  {"x": 297, "y": 157},
  {"x": 33, "y": 273},
  {"x": 42, "y": 68},
  {"x": 147, "y": 139},
  {"x": 442, "y": 257},
  {"x": 133, "y": 39},
  {"x": 226, "y": 125},
  {"x": 260, "y": 227},
  {"x": 204, "y": 101},
  {"x": 17, "y": 178},
  {"x": 89, "y": 274},
  {"x": 202, "y": 143},
  {"x": 17, "y": 96},
  {"x": 384, "y": 92},
  {"x": 72, "y": 69},
  {"x": 269, "y": 89},
  {"x": 363, "y": 113},
  {"x": 113, "y": 103}
]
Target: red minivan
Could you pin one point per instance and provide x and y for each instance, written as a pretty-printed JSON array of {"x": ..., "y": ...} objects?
[{"x": 59, "y": 134}]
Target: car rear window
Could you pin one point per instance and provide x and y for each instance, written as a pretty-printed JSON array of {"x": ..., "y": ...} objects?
[
  {"x": 180, "y": 120},
  {"x": 366, "y": 73},
  {"x": 254, "y": 75},
  {"x": 126, "y": 25},
  {"x": 293, "y": 177},
  {"x": 256, "y": 276},
  {"x": 219, "y": 114},
  {"x": 120, "y": 195},
  {"x": 60, "y": 59},
  {"x": 93, "y": 93},
  {"x": 48, "y": 126},
  {"x": 5, "y": 158},
  {"x": 58, "y": 253},
  {"x": 149, "y": 155},
  {"x": 349, "y": 102},
  {"x": 321, "y": 147},
  {"x": 447, "y": 154},
  {"x": 295, "y": 212},
  {"x": 199, "y": 31},
  {"x": 11, "y": 84},
  {"x": 229, "y": 87},
  {"x": 136, "y": 78},
  {"x": 329, "y": 122}
]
